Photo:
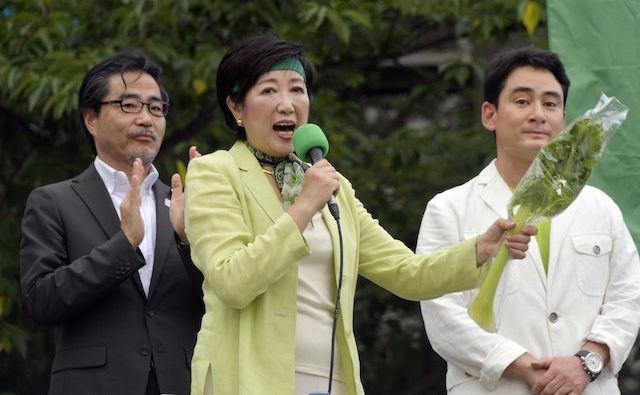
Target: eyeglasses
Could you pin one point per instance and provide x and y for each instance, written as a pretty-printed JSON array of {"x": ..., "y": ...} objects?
[{"x": 131, "y": 105}]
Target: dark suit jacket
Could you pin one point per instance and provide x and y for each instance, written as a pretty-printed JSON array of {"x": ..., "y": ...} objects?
[{"x": 79, "y": 273}]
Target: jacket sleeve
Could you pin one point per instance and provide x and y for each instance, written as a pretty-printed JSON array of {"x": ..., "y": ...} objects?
[
  {"x": 619, "y": 319},
  {"x": 451, "y": 332},
  {"x": 55, "y": 289},
  {"x": 238, "y": 263},
  {"x": 390, "y": 264}
]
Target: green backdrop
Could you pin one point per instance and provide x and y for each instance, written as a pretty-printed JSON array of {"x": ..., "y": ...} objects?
[{"x": 599, "y": 42}]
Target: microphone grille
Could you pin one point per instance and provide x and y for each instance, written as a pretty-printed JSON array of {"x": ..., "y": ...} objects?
[{"x": 307, "y": 137}]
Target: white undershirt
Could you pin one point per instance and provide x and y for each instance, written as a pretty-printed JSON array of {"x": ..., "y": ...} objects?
[
  {"x": 118, "y": 185},
  {"x": 315, "y": 307}
]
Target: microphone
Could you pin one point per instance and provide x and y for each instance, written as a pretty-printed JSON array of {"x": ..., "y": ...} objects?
[{"x": 311, "y": 144}]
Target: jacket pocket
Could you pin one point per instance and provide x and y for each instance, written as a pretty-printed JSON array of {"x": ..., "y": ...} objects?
[
  {"x": 85, "y": 357},
  {"x": 592, "y": 262}
]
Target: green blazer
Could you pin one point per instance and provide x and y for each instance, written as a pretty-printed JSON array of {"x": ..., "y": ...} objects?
[{"x": 248, "y": 249}]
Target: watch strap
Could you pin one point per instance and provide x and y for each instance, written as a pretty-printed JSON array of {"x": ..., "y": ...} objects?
[{"x": 582, "y": 354}]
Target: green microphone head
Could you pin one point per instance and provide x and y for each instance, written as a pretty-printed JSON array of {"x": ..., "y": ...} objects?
[{"x": 310, "y": 143}]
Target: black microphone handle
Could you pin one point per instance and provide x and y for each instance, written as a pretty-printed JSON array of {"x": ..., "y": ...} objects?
[{"x": 315, "y": 154}]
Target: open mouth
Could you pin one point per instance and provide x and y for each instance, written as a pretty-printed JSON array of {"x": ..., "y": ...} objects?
[{"x": 284, "y": 127}]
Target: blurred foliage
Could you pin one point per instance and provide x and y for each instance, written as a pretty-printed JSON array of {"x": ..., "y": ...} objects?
[{"x": 398, "y": 94}]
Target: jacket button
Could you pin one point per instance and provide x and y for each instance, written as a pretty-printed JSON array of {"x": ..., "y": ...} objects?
[
  {"x": 596, "y": 250},
  {"x": 150, "y": 313},
  {"x": 553, "y": 317},
  {"x": 144, "y": 351}
]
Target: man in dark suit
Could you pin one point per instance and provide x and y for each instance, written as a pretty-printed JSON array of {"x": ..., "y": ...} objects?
[{"x": 104, "y": 257}]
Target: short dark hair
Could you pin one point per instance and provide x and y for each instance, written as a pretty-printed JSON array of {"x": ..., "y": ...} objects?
[
  {"x": 245, "y": 62},
  {"x": 503, "y": 63},
  {"x": 95, "y": 85}
]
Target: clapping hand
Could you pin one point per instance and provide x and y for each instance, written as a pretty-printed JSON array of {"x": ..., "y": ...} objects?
[
  {"x": 176, "y": 211},
  {"x": 130, "y": 218}
]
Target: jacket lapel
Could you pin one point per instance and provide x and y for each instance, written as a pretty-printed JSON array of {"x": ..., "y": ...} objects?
[
  {"x": 330, "y": 222},
  {"x": 255, "y": 181},
  {"x": 493, "y": 190},
  {"x": 164, "y": 234},
  {"x": 94, "y": 194}
]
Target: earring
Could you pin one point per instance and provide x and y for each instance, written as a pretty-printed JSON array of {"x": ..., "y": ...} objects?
[{"x": 239, "y": 122}]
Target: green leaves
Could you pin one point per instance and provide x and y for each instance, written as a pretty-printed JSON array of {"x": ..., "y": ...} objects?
[
  {"x": 51, "y": 95},
  {"x": 314, "y": 14},
  {"x": 561, "y": 170}
]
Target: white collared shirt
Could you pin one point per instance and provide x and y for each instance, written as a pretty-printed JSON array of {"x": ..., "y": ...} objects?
[{"x": 118, "y": 185}]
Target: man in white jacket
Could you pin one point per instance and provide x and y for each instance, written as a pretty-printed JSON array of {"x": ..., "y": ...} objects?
[{"x": 568, "y": 314}]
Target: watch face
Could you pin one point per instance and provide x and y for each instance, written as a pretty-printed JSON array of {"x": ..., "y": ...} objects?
[{"x": 593, "y": 362}]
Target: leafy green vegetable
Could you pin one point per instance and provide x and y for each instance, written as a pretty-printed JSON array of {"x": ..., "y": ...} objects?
[
  {"x": 560, "y": 170},
  {"x": 553, "y": 181}
]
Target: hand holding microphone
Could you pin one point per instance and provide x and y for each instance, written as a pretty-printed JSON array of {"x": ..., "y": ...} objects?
[{"x": 321, "y": 181}]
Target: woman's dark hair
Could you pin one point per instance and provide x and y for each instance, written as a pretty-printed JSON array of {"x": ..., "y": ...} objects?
[
  {"x": 245, "y": 62},
  {"x": 502, "y": 64},
  {"x": 95, "y": 86}
]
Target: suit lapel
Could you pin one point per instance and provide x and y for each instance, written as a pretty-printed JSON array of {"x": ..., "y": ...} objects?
[
  {"x": 255, "y": 181},
  {"x": 493, "y": 190},
  {"x": 94, "y": 194},
  {"x": 164, "y": 234}
]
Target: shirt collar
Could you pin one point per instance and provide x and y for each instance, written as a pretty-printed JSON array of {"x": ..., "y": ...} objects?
[{"x": 116, "y": 180}]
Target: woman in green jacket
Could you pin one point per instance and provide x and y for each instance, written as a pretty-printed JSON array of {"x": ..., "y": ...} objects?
[{"x": 261, "y": 234}]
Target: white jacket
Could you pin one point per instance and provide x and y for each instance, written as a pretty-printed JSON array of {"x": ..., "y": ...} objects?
[{"x": 591, "y": 291}]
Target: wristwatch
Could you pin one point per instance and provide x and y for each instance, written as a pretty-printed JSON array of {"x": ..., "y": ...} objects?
[{"x": 591, "y": 363}]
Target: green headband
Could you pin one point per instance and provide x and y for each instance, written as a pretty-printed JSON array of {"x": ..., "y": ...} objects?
[
  {"x": 284, "y": 64},
  {"x": 289, "y": 64}
]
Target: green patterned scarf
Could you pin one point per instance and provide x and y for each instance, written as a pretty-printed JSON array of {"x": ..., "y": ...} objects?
[{"x": 288, "y": 172}]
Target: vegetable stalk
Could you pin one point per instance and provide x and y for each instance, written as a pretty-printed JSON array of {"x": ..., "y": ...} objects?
[{"x": 481, "y": 310}]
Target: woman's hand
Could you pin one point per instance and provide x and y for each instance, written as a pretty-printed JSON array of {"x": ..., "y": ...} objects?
[
  {"x": 321, "y": 181},
  {"x": 517, "y": 244}
]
